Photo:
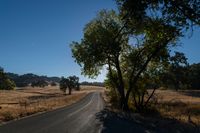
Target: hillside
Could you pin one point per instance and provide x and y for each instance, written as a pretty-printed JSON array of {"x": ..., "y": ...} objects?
[{"x": 27, "y": 79}]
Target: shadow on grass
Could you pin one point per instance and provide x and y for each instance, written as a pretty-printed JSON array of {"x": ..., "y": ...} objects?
[
  {"x": 134, "y": 123},
  {"x": 193, "y": 93},
  {"x": 41, "y": 97},
  {"x": 44, "y": 96}
]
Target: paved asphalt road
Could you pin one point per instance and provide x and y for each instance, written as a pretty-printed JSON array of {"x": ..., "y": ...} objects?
[{"x": 77, "y": 118}]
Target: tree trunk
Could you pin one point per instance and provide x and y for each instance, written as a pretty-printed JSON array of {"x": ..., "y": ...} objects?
[
  {"x": 123, "y": 100},
  {"x": 70, "y": 91},
  {"x": 150, "y": 97},
  {"x": 124, "y": 104}
]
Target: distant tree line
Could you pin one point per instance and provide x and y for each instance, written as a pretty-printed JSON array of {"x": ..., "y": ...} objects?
[
  {"x": 181, "y": 76},
  {"x": 10, "y": 80},
  {"x": 39, "y": 83},
  {"x": 92, "y": 83}
]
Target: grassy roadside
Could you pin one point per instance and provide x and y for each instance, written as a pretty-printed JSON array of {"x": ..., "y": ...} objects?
[{"x": 175, "y": 112}]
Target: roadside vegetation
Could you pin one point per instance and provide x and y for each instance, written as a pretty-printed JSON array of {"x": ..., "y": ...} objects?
[{"x": 171, "y": 112}]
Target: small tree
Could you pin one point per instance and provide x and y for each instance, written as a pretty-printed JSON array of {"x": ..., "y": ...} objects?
[
  {"x": 53, "y": 83},
  {"x": 72, "y": 82},
  {"x": 176, "y": 75},
  {"x": 5, "y": 82},
  {"x": 75, "y": 82},
  {"x": 63, "y": 84},
  {"x": 39, "y": 83}
]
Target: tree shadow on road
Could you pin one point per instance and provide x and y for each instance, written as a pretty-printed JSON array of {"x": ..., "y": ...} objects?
[{"x": 113, "y": 122}]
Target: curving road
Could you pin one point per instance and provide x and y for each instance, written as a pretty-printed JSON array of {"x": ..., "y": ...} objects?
[{"x": 76, "y": 118}]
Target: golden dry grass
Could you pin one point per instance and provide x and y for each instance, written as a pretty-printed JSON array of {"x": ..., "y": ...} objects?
[
  {"x": 26, "y": 101},
  {"x": 183, "y": 106},
  {"x": 185, "y": 96},
  {"x": 180, "y": 105}
]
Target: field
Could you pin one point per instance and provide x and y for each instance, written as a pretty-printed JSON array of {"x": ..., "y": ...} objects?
[
  {"x": 180, "y": 105},
  {"x": 26, "y": 101}
]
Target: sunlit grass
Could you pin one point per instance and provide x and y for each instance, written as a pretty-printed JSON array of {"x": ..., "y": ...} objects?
[{"x": 19, "y": 103}]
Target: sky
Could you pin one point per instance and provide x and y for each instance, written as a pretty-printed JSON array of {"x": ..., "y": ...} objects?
[{"x": 35, "y": 35}]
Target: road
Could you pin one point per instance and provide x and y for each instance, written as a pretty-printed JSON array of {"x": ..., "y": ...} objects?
[{"x": 76, "y": 118}]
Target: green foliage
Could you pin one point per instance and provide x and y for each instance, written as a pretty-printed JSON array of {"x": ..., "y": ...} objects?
[
  {"x": 112, "y": 79},
  {"x": 182, "y": 14},
  {"x": 63, "y": 84},
  {"x": 72, "y": 82},
  {"x": 176, "y": 74},
  {"x": 8, "y": 116},
  {"x": 111, "y": 88},
  {"x": 5, "y": 82},
  {"x": 99, "y": 44},
  {"x": 182, "y": 76},
  {"x": 194, "y": 76},
  {"x": 39, "y": 83},
  {"x": 126, "y": 63}
]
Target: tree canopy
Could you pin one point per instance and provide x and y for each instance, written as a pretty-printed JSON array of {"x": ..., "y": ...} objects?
[
  {"x": 99, "y": 45},
  {"x": 181, "y": 76},
  {"x": 72, "y": 82},
  {"x": 183, "y": 14}
]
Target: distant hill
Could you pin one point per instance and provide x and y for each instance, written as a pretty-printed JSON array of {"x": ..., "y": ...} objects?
[{"x": 28, "y": 79}]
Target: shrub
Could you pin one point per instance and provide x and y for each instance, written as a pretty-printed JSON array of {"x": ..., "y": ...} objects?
[
  {"x": 5, "y": 82},
  {"x": 53, "y": 84},
  {"x": 8, "y": 116}
]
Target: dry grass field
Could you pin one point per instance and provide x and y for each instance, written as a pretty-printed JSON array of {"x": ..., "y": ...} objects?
[
  {"x": 181, "y": 105},
  {"x": 26, "y": 101}
]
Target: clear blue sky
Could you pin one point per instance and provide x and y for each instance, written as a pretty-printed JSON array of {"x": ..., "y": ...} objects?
[{"x": 35, "y": 35}]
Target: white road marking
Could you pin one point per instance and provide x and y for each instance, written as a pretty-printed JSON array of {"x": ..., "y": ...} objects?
[{"x": 82, "y": 107}]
